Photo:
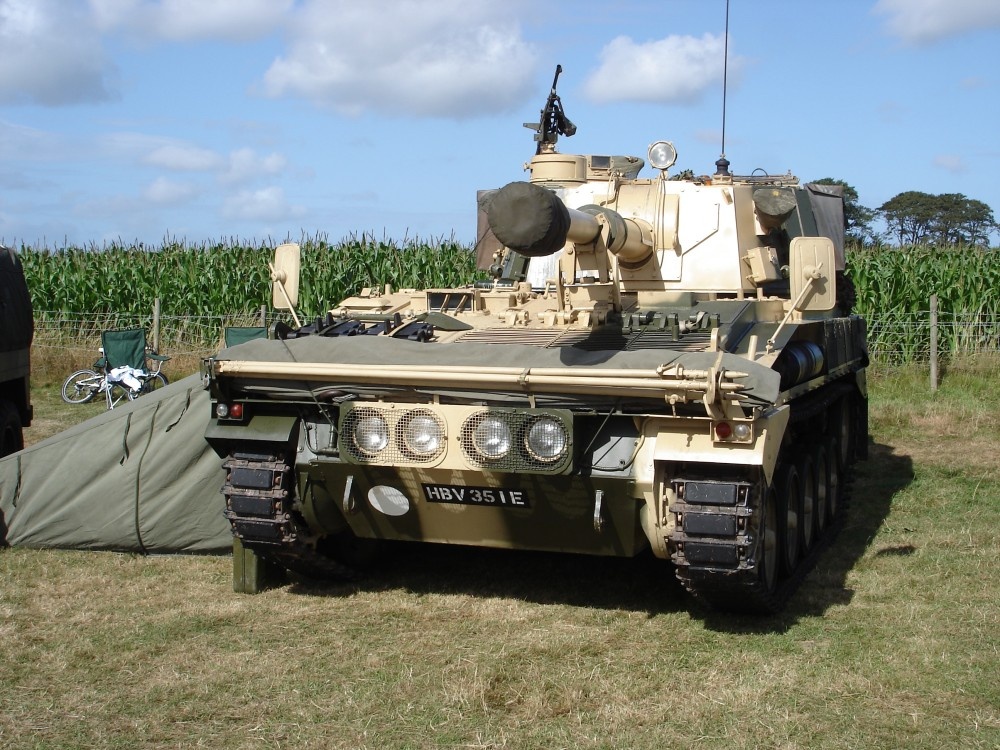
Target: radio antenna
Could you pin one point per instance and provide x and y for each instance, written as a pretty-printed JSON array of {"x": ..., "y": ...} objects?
[{"x": 722, "y": 165}]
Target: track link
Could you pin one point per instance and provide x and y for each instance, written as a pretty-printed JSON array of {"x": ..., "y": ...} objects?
[
  {"x": 743, "y": 591},
  {"x": 260, "y": 506}
]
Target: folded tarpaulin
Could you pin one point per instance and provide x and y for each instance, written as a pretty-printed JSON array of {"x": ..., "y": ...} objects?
[{"x": 139, "y": 478}]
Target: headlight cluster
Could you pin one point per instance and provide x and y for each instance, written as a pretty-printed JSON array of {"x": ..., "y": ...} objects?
[
  {"x": 391, "y": 436},
  {"x": 514, "y": 440},
  {"x": 497, "y": 439}
]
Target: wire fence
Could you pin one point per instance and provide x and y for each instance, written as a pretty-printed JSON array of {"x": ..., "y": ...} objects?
[
  {"x": 197, "y": 335},
  {"x": 893, "y": 338},
  {"x": 901, "y": 339}
]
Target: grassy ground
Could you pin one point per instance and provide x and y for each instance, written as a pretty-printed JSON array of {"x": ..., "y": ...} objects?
[{"x": 891, "y": 642}]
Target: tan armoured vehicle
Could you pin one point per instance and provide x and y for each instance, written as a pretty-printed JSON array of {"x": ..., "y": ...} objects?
[{"x": 657, "y": 366}]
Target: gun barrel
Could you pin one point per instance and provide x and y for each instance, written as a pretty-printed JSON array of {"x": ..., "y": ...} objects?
[{"x": 533, "y": 221}]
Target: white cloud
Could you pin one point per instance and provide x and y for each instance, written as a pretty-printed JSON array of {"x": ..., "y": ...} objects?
[
  {"x": 892, "y": 112},
  {"x": 178, "y": 20},
  {"x": 266, "y": 204},
  {"x": 168, "y": 192},
  {"x": 950, "y": 163},
  {"x": 18, "y": 142},
  {"x": 246, "y": 164},
  {"x": 241, "y": 165},
  {"x": 973, "y": 83},
  {"x": 183, "y": 157},
  {"x": 677, "y": 69},
  {"x": 450, "y": 58},
  {"x": 925, "y": 21},
  {"x": 52, "y": 55}
]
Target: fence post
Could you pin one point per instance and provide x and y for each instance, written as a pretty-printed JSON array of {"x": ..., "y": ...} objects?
[
  {"x": 156, "y": 324},
  {"x": 934, "y": 342},
  {"x": 263, "y": 316}
]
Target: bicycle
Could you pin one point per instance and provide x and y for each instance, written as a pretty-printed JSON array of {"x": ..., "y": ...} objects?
[
  {"x": 117, "y": 377},
  {"x": 83, "y": 386}
]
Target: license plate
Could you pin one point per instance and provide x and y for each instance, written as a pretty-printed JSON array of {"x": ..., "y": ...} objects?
[{"x": 498, "y": 497}]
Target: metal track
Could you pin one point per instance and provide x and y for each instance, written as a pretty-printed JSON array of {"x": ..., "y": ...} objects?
[
  {"x": 742, "y": 590},
  {"x": 260, "y": 506},
  {"x": 726, "y": 575}
]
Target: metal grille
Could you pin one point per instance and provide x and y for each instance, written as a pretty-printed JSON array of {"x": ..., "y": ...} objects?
[
  {"x": 393, "y": 426},
  {"x": 593, "y": 340},
  {"x": 526, "y": 336},
  {"x": 478, "y": 441}
]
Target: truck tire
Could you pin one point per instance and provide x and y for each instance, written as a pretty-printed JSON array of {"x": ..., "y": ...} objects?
[{"x": 11, "y": 437}]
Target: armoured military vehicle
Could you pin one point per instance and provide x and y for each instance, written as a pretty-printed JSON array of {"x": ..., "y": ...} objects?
[
  {"x": 656, "y": 366},
  {"x": 16, "y": 332}
]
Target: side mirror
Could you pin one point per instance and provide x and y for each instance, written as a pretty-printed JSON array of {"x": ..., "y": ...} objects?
[
  {"x": 285, "y": 276},
  {"x": 812, "y": 274}
]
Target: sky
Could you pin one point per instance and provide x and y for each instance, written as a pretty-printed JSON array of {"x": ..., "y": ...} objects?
[{"x": 266, "y": 120}]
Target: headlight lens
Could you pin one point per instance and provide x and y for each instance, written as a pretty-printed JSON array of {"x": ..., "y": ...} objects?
[
  {"x": 546, "y": 439},
  {"x": 662, "y": 155},
  {"x": 371, "y": 434},
  {"x": 491, "y": 437},
  {"x": 423, "y": 434}
]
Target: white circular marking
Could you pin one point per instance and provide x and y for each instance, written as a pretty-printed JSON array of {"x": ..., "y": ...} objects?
[{"x": 388, "y": 500}]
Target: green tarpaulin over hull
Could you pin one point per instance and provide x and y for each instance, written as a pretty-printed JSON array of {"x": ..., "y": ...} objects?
[{"x": 140, "y": 478}]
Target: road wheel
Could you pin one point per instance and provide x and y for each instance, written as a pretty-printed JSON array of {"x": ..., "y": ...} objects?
[
  {"x": 767, "y": 546},
  {"x": 843, "y": 429},
  {"x": 80, "y": 387},
  {"x": 834, "y": 481},
  {"x": 821, "y": 472},
  {"x": 789, "y": 516},
  {"x": 807, "y": 518}
]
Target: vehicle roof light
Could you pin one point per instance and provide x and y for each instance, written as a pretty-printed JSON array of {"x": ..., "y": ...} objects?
[{"x": 662, "y": 155}]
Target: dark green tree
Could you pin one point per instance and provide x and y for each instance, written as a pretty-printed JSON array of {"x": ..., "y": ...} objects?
[
  {"x": 917, "y": 218},
  {"x": 962, "y": 220},
  {"x": 910, "y": 216}
]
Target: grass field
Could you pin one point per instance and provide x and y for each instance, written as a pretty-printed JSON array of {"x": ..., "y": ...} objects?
[{"x": 891, "y": 642}]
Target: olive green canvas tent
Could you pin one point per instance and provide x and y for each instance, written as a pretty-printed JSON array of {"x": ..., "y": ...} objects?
[{"x": 139, "y": 478}]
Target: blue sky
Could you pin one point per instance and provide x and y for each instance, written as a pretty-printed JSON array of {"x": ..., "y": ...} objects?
[{"x": 266, "y": 119}]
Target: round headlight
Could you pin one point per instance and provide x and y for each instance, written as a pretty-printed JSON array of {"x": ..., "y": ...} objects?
[
  {"x": 491, "y": 438},
  {"x": 546, "y": 439},
  {"x": 662, "y": 155},
  {"x": 422, "y": 434},
  {"x": 371, "y": 434}
]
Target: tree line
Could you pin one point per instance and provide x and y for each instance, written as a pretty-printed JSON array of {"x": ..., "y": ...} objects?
[{"x": 917, "y": 218}]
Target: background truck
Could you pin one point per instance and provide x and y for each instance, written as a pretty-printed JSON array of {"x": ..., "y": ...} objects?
[{"x": 16, "y": 331}]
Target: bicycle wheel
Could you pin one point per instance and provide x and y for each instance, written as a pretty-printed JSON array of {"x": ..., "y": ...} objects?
[
  {"x": 153, "y": 383},
  {"x": 117, "y": 392},
  {"x": 81, "y": 387}
]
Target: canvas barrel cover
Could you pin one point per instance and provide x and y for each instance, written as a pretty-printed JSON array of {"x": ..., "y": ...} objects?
[{"x": 139, "y": 478}]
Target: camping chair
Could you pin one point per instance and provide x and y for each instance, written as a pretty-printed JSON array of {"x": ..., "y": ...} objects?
[
  {"x": 236, "y": 335},
  {"x": 125, "y": 365}
]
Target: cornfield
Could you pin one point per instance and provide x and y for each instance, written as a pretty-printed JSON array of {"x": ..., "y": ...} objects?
[
  {"x": 894, "y": 288},
  {"x": 228, "y": 277},
  {"x": 77, "y": 292}
]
